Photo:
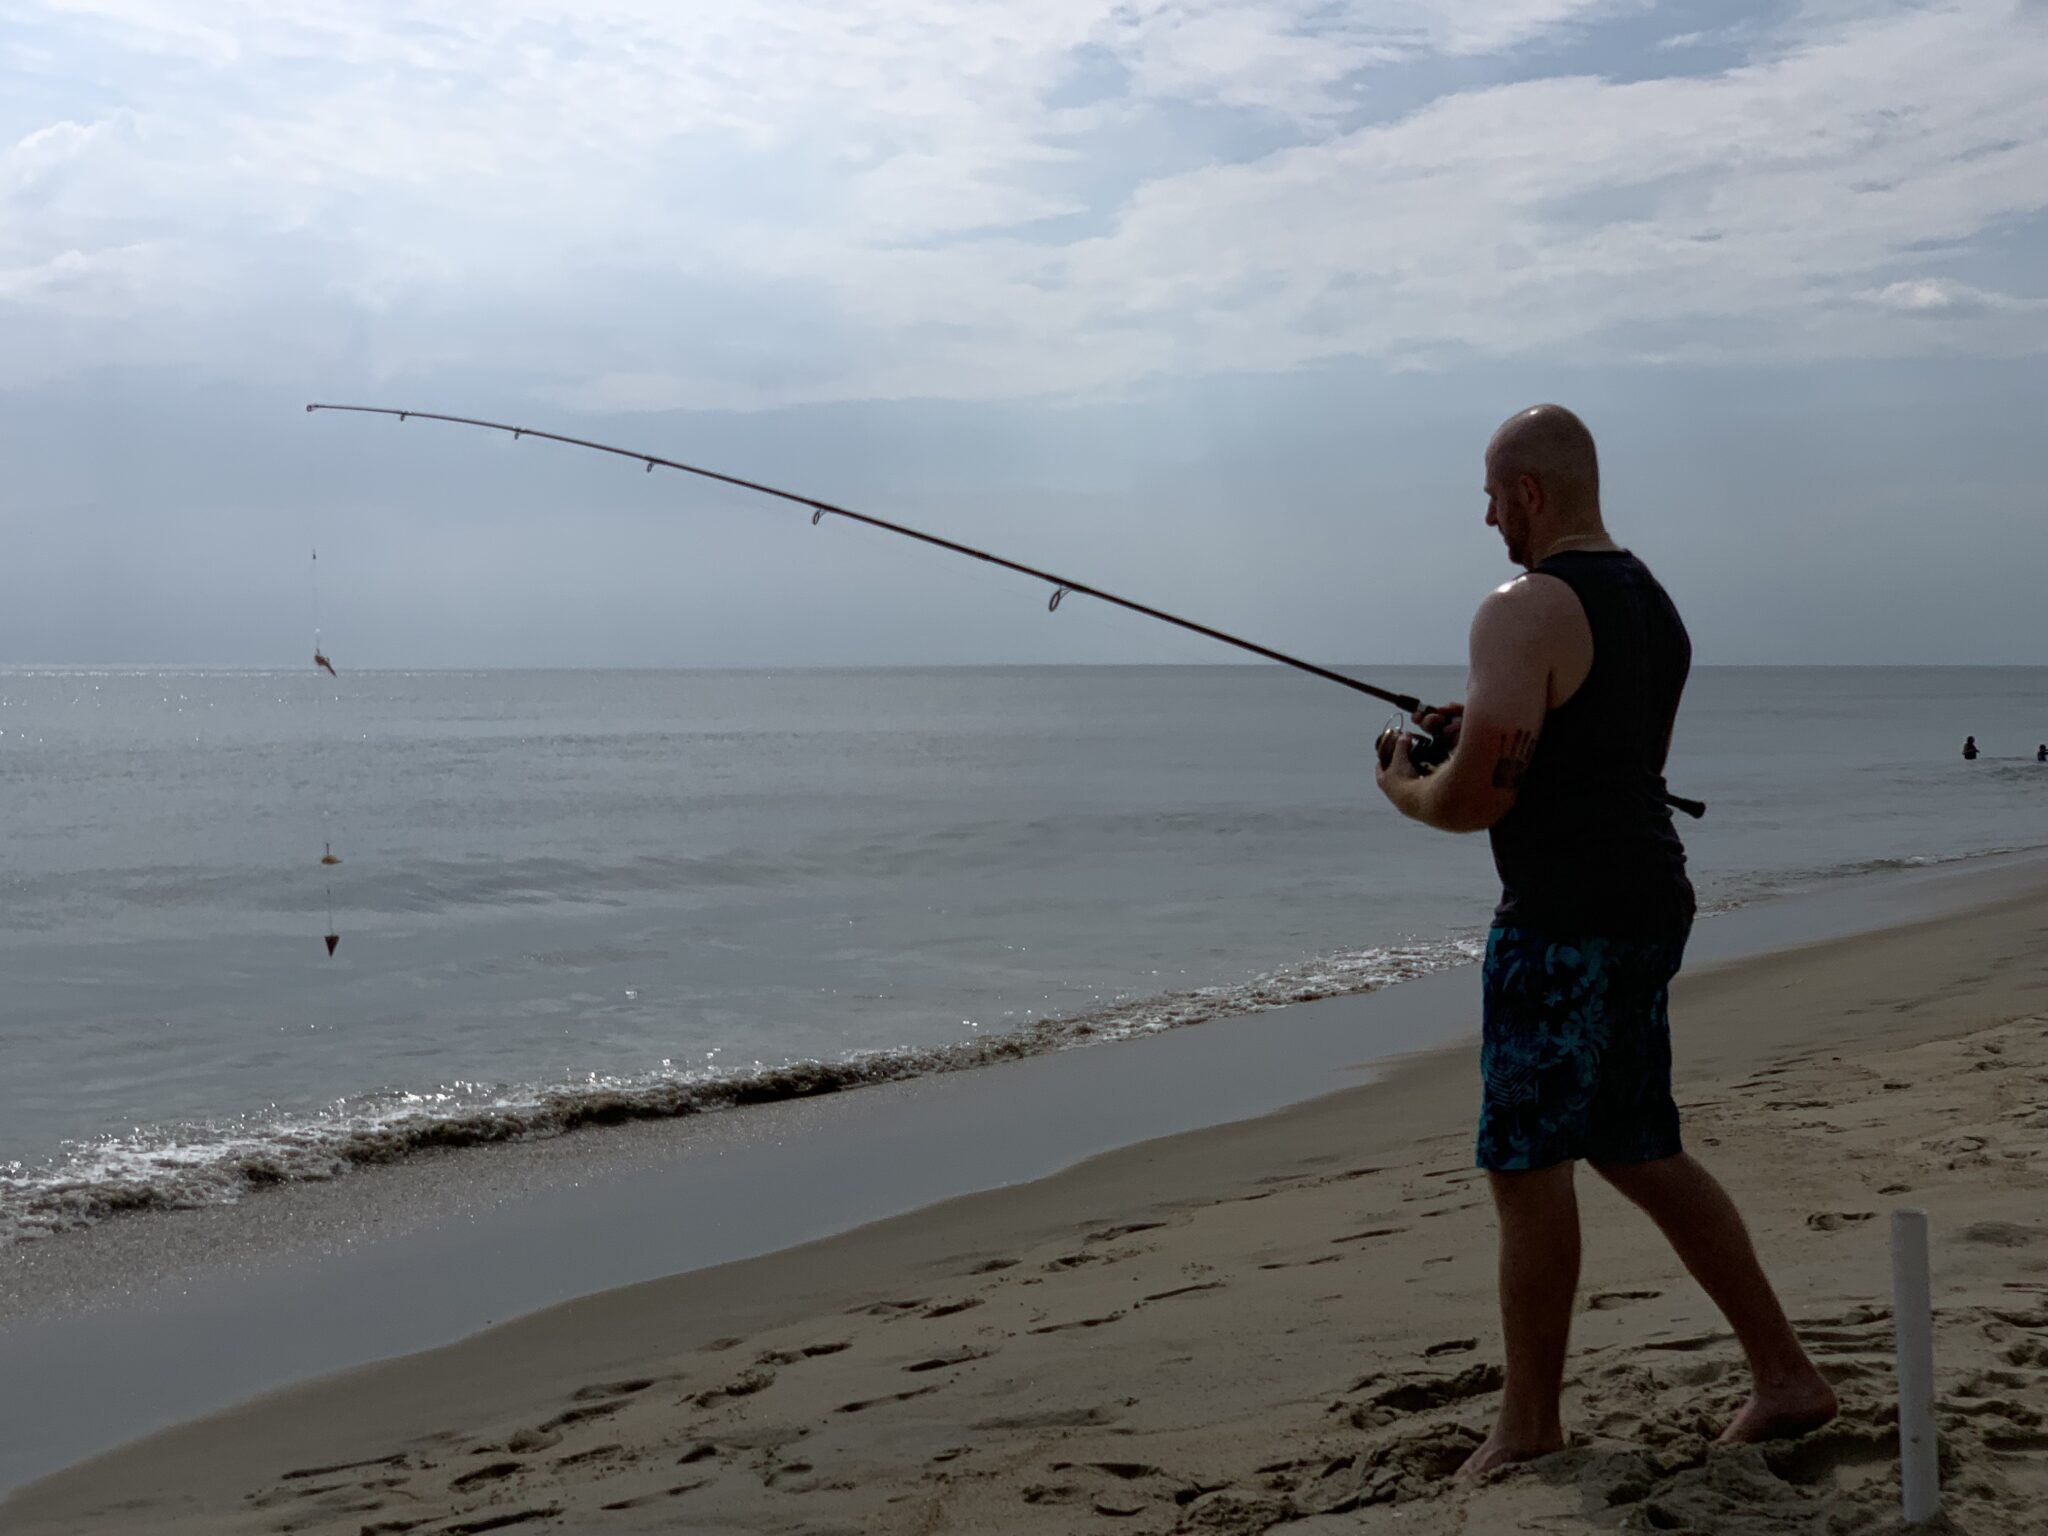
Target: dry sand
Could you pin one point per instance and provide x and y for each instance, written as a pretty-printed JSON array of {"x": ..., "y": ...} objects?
[{"x": 1286, "y": 1322}]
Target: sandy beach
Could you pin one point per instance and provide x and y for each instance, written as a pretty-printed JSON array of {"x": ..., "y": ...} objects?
[{"x": 1282, "y": 1322}]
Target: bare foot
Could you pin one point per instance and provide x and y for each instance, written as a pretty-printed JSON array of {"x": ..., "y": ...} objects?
[
  {"x": 1782, "y": 1413},
  {"x": 1501, "y": 1451}
]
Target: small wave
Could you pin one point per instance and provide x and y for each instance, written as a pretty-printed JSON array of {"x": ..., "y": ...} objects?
[
  {"x": 201, "y": 1163},
  {"x": 1731, "y": 894}
]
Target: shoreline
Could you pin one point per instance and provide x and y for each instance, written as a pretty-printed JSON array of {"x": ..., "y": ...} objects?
[
  {"x": 299, "y": 1148},
  {"x": 1187, "y": 1170},
  {"x": 177, "y": 1167}
]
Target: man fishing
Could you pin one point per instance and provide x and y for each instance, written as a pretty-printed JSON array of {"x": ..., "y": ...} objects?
[{"x": 1559, "y": 750}]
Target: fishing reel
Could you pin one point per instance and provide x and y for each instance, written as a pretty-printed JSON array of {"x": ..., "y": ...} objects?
[{"x": 1426, "y": 752}]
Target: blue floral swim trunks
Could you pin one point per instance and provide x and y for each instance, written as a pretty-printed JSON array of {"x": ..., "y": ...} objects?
[{"x": 1576, "y": 1049}]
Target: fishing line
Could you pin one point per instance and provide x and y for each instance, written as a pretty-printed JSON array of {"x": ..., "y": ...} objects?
[
  {"x": 1063, "y": 586},
  {"x": 328, "y": 857}
]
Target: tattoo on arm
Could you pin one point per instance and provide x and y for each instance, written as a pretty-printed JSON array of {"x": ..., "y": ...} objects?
[{"x": 1513, "y": 761}]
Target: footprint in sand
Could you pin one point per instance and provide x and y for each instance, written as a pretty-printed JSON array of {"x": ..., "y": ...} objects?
[
  {"x": 595, "y": 1453},
  {"x": 1437, "y": 1391},
  {"x": 612, "y": 1389},
  {"x": 1988, "y": 1383},
  {"x": 746, "y": 1384},
  {"x": 655, "y": 1498},
  {"x": 1822, "y": 1456},
  {"x": 1418, "y": 1394},
  {"x": 771, "y": 1358},
  {"x": 1702, "y": 1373},
  {"x": 894, "y": 1397},
  {"x": 1129, "y": 1471},
  {"x": 1051, "y": 1493},
  {"x": 474, "y": 1527},
  {"x": 396, "y": 1459},
  {"x": 1687, "y": 1343},
  {"x": 1072, "y": 1261},
  {"x": 487, "y": 1474},
  {"x": 1079, "y": 1322},
  {"x": 578, "y": 1415},
  {"x": 1183, "y": 1290},
  {"x": 1123, "y": 1229},
  {"x": 2000, "y": 1234},
  {"x": 1409, "y": 1466},
  {"x": 1328, "y": 1258},
  {"x": 1834, "y": 1221},
  {"x": 1607, "y": 1301},
  {"x": 1055, "y": 1418},
  {"x": 953, "y": 1357},
  {"x": 889, "y": 1308},
  {"x": 1116, "y": 1504}
]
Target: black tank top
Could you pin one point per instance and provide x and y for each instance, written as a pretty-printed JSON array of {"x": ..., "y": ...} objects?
[{"x": 1589, "y": 847}]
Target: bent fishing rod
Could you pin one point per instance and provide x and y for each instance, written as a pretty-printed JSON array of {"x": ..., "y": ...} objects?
[{"x": 1407, "y": 703}]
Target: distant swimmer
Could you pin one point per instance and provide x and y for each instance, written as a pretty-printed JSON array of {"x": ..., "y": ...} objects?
[
  {"x": 2041, "y": 753},
  {"x": 1969, "y": 749},
  {"x": 1577, "y": 668}
]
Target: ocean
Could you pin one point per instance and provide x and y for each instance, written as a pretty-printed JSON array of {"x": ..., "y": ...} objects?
[{"x": 580, "y": 897}]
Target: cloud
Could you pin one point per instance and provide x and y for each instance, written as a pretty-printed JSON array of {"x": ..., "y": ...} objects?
[
  {"x": 37, "y": 159},
  {"x": 81, "y": 282},
  {"x": 621, "y": 203},
  {"x": 1944, "y": 296}
]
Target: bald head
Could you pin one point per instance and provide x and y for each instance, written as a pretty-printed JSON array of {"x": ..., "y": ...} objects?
[{"x": 1552, "y": 446}]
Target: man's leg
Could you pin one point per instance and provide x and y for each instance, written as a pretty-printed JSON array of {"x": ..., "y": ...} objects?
[
  {"x": 1539, "y": 1277},
  {"x": 1692, "y": 1209}
]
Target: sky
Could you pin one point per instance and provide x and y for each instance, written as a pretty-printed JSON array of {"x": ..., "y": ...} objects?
[{"x": 1212, "y": 304}]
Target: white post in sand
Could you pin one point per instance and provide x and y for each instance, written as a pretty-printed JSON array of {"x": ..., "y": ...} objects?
[{"x": 1913, "y": 1323}]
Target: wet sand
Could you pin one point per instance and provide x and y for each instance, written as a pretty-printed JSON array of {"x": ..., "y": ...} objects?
[{"x": 1283, "y": 1321}]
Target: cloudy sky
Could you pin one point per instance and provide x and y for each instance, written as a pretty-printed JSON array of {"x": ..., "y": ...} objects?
[{"x": 1214, "y": 303}]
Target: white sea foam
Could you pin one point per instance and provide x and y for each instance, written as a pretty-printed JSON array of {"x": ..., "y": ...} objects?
[{"x": 218, "y": 1161}]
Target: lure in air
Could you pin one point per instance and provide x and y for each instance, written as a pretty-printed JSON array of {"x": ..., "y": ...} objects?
[
  {"x": 319, "y": 654},
  {"x": 1427, "y": 754}
]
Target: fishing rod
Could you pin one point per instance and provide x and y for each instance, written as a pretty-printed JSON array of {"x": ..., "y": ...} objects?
[
  {"x": 1062, "y": 585},
  {"x": 1427, "y": 754}
]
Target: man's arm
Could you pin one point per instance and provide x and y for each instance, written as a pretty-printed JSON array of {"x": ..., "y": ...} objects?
[{"x": 1516, "y": 637}]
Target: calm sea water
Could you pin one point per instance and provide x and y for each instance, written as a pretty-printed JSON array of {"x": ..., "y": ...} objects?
[{"x": 568, "y": 896}]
